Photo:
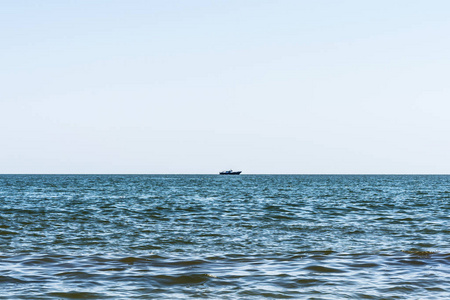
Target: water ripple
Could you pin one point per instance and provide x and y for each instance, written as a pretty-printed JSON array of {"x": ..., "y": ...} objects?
[{"x": 122, "y": 237}]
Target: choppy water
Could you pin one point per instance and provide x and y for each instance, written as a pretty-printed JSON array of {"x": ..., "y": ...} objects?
[{"x": 224, "y": 237}]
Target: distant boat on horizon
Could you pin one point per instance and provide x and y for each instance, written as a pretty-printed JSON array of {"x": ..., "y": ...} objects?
[{"x": 230, "y": 172}]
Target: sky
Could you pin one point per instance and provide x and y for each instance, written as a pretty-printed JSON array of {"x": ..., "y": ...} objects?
[{"x": 197, "y": 87}]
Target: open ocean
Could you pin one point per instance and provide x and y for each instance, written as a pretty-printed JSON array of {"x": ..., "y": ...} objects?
[{"x": 224, "y": 237}]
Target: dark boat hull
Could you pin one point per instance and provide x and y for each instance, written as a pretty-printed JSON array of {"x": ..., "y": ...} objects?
[{"x": 230, "y": 173}]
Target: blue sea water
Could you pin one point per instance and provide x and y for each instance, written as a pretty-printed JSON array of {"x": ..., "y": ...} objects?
[{"x": 224, "y": 237}]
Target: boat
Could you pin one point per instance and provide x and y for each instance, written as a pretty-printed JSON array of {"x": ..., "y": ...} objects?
[{"x": 230, "y": 172}]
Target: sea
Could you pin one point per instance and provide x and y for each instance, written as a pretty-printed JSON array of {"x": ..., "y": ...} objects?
[{"x": 224, "y": 237}]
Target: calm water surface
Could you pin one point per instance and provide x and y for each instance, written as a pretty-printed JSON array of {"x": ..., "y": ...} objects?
[{"x": 224, "y": 237}]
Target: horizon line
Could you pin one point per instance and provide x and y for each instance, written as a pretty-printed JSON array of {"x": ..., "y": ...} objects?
[{"x": 243, "y": 174}]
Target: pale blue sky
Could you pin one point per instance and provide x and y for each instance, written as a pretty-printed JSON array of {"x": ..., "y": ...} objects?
[{"x": 199, "y": 86}]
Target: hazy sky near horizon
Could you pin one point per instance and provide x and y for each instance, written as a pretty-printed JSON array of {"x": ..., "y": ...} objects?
[{"x": 200, "y": 86}]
